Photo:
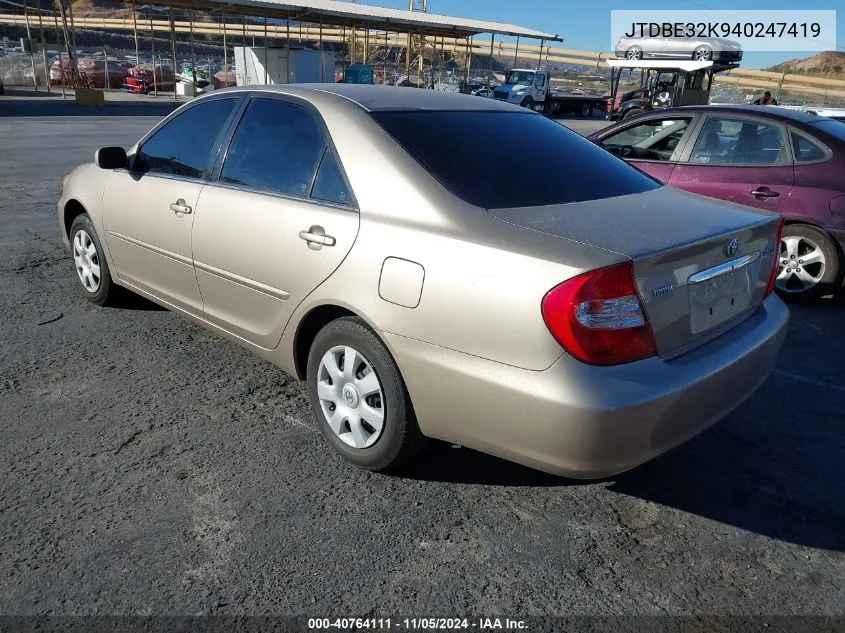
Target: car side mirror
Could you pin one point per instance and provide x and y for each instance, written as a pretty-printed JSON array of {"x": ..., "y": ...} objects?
[{"x": 110, "y": 158}]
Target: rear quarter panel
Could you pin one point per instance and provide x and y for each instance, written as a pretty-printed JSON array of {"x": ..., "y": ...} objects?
[
  {"x": 816, "y": 185},
  {"x": 484, "y": 279}
]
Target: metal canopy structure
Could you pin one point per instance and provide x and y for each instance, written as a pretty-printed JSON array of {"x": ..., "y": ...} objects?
[
  {"x": 687, "y": 65},
  {"x": 353, "y": 15}
]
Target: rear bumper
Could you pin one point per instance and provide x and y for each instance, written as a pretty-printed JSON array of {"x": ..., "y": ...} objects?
[{"x": 582, "y": 421}]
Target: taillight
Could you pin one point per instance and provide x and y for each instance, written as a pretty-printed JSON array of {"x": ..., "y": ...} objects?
[
  {"x": 774, "y": 274},
  {"x": 598, "y": 318}
]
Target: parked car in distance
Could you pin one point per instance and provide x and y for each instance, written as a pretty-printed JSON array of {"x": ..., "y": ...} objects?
[
  {"x": 786, "y": 161},
  {"x": 580, "y": 324},
  {"x": 698, "y": 48}
]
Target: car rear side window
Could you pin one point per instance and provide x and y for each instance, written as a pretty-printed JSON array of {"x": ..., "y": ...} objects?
[
  {"x": 330, "y": 185},
  {"x": 806, "y": 150},
  {"x": 276, "y": 147},
  {"x": 499, "y": 160},
  {"x": 182, "y": 147}
]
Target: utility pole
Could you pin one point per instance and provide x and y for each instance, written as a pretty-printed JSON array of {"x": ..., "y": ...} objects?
[
  {"x": 44, "y": 50},
  {"x": 420, "y": 6},
  {"x": 29, "y": 46},
  {"x": 71, "y": 60}
]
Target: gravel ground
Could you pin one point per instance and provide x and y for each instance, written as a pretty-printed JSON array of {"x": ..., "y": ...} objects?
[{"x": 149, "y": 467}]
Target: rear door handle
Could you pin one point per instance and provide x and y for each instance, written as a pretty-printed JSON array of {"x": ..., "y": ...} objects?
[
  {"x": 764, "y": 192},
  {"x": 180, "y": 207},
  {"x": 317, "y": 238}
]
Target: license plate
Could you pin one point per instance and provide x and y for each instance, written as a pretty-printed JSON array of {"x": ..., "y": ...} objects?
[{"x": 718, "y": 299}]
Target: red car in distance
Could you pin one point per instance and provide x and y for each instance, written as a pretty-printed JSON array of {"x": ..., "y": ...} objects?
[{"x": 786, "y": 161}]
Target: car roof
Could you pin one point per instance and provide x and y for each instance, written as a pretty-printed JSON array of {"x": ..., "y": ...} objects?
[
  {"x": 375, "y": 98},
  {"x": 768, "y": 111}
]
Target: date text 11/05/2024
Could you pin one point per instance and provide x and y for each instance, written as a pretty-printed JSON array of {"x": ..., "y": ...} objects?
[{"x": 416, "y": 624}]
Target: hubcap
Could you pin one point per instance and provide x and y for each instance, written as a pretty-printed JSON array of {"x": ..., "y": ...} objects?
[
  {"x": 702, "y": 54},
  {"x": 801, "y": 264},
  {"x": 633, "y": 54},
  {"x": 350, "y": 396},
  {"x": 86, "y": 260}
]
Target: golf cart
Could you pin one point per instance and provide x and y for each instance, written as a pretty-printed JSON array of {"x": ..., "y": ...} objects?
[{"x": 663, "y": 84}]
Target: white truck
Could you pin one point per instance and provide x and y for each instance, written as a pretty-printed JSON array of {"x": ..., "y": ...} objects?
[
  {"x": 532, "y": 89},
  {"x": 257, "y": 66}
]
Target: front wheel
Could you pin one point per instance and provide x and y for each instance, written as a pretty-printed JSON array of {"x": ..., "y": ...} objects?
[
  {"x": 586, "y": 110},
  {"x": 808, "y": 264},
  {"x": 634, "y": 53},
  {"x": 528, "y": 102},
  {"x": 92, "y": 269},
  {"x": 359, "y": 398}
]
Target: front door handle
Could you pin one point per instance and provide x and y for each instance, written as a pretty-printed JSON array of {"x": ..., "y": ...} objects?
[
  {"x": 180, "y": 207},
  {"x": 764, "y": 192},
  {"x": 317, "y": 238}
]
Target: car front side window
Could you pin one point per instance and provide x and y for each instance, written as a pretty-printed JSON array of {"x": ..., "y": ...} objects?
[
  {"x": 183, "y": 146},
  {"x": 655, "y": 139},
  {"x": 276, "y": 147}
]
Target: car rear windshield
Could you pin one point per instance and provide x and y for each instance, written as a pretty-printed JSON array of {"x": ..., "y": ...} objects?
[
  {"x": 499, "y": 160},
  {"x": 833, "y": 127}
]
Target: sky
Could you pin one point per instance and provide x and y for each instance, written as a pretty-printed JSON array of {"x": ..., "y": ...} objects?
[{"x": 586, "y": 25}]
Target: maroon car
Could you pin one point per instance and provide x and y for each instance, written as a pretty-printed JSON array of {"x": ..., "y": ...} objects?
[{"x": 785, "y": 161}]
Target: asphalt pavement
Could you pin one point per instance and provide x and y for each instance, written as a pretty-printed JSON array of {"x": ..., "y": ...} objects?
[{"x": 150, "y": 467}]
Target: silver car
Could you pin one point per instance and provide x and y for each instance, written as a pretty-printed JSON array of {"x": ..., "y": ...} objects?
[
  {"x": 699, "y": 49},
  {"x": 547, "y": 302}
]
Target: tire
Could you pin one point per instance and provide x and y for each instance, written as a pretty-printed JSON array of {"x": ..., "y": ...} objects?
[
  {"x": 585, "y": 111},
  {"x": 632, "y": 113},
  {"x": 635, "y": 52},
  {"x": 92, "y": 269},
  {"x": 399, "y": 438},
  {"x": 703, "y": 54},
  {"x": 798, "y": 281},
  {"x": 528, "y": 102}
]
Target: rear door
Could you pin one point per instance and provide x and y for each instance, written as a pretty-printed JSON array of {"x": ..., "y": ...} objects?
[
  {"x": 740, "y": 159},
  {"x": 652, "y": 145},
  {"x": 276, "y": 221}
]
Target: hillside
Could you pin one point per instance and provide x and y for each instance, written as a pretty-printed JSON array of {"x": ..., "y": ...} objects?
[{"x": 826, "y": 64}]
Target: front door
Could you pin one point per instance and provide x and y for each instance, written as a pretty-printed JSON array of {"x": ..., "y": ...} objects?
[
  {"x": 148, "y": 212},
  {"x": 742, "y": 160},
  {"x": 278, "y": 221}
]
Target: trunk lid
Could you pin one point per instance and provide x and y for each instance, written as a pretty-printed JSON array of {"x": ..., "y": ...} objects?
[{"x": 701, "y": 265}]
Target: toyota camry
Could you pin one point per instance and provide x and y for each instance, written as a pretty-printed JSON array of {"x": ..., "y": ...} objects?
[{"x": 545, "y": 302}]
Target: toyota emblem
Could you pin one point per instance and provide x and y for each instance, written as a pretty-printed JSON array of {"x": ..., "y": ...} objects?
[{"x": 732, "y": 247}]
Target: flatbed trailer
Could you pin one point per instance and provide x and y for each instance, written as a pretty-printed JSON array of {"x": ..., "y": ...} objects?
[{"x": 580, "y": 105}]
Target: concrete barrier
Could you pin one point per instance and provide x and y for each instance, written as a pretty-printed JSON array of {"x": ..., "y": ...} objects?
[{"x": 90, "y": 97}]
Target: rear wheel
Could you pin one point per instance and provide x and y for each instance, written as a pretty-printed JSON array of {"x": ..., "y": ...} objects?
[
  {"x": 632, "y": 112},
  {"x": 359, "y": 398},
  {"x": 809, "y": 262},
  {"x": 703, "y": 54},
  {"x": 585, "y": 110}
]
